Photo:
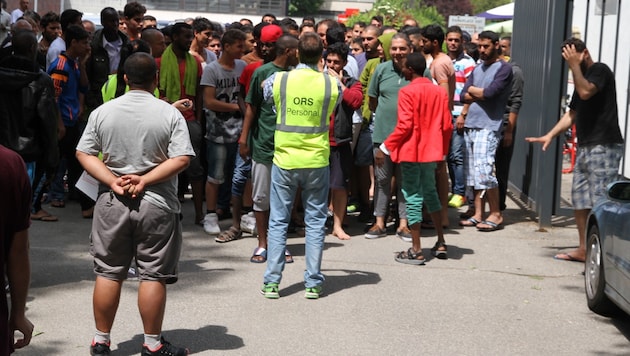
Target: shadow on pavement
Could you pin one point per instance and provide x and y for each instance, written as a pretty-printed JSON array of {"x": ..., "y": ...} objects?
[
  {"x": 211, "y": 337},
  {"x": 335, "y": 282}
]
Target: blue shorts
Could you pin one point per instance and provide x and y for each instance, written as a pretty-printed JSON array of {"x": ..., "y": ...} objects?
[{"x": 595, "y": 167}]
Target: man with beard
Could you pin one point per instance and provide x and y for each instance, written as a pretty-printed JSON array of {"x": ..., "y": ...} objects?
[
  {"x": 51, "y": 29},
  {"x": 443, "y": 74},
  {"x": 180, "y": 73},
  {"x": 464, "y": 65},
  {"x": 485, "y": 94},
  {"x": 256, "y": 139},
  {"x": 593, "y": 110},
  {"x": 383, "y": 89}
]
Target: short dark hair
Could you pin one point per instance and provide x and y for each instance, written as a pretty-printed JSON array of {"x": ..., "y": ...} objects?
[
  {"x": 330, "y": 23},
  {"x": 580, "y": 46},
  {"x": 248, "y": 20},
  {"x": 403, "y": 36},
  {"x": 416, "y": 62},
  {"x": 434, "y": 32},
  {"x": 378, "y": 18},
  {"x": 310, "y": 48},
  {"x": 69, "y": 17},
  {"x": 201, "y": 24},
  {"x": 178, "y": 27},
  {"x": 48, "y": 18},
  {"x": 24, "y": 44},
  {"x": 411, "y": 30},
  {"x": 76, "y": 33},
  {"x": 340, "y": 49},
  {"x": 232, "y": 36},
  {"x": 134, "y": 8},
  {"x": 284, "y": 42},
  {"x": 489, "y": 35},
  {"x": 258, "y": 30},
  {"x": 149, "y": 18},
  {"x": 472, "y": 50},
  {"x": 141, "y": 69},
  {"x": 455, "y": 29},
  {"x": 360, "y": 23},
  {"x": 288, "y": 23},
  {"x": 335, "y": 35},
  {"x": 268, "y": 15}
]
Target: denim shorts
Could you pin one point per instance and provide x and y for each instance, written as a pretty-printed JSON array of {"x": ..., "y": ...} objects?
[
  {"x": 221, "y": 158},
  {"x": 595, "y": 167}
]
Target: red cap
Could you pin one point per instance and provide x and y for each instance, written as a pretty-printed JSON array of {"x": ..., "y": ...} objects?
[{"x": 270, "y": 33}]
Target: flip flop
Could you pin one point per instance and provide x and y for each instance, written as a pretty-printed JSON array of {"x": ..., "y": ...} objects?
[
  {"x": 566, "y": 257},
  {"x": 259, "y": 252},
  {"x": 492, "y": 226},
  {"x": 469, "y": 222},
  {"x": 45, "y": 216}
]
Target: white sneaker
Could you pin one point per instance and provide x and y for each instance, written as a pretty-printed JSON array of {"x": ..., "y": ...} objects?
[
  {"x": 211, "y": 224},
  {"x": 248, "y": 223}
]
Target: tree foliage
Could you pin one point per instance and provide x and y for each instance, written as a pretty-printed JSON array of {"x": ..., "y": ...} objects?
[
  {"x": 395, "y": 12},
  {"x": 304, "y": 7},
  {"x": 484, "y": 5},
  {"x": 451, "y": 7}
]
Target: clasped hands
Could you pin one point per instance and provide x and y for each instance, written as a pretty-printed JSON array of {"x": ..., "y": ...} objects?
[{"x": 130, "y": 185}]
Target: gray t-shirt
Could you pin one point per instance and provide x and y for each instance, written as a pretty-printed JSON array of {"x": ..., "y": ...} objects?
[
  {"x": 136, "y": 132},
  {"x": 223, "y": 127}
]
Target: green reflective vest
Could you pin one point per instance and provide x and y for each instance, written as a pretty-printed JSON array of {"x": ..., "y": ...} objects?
[{"x": 304, "y": 100}]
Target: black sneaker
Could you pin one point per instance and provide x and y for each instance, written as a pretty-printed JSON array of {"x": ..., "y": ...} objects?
[
  {"x": 99, "y": 349},
  {"x": 165, "y": 349}
]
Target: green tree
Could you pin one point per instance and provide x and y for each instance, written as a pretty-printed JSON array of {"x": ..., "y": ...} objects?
[
  {"x": 451, "y": 7},
  {"x": 304, "y": 7},
  {"x": 395, "y": 12},
  {"x": 483, "y": 5}
]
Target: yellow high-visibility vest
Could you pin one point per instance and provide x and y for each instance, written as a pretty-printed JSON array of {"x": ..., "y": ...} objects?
[{"x": 304, "y": 100}]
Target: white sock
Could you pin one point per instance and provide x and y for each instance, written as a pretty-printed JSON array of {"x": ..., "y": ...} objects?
[
  {"x": 101, "y": 338},
  {"x": 153, "y": 342}
]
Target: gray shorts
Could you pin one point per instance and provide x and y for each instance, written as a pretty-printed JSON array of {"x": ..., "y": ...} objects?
[
  {"x": 595, "y": 167},
  {"x": 261, "y": 184},
  {"x": 125, "y": 228}
]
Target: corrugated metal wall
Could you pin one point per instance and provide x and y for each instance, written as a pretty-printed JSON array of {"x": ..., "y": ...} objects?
[
  {"x": 539, "y": 29},
  {"x": 540, "y": 26}
]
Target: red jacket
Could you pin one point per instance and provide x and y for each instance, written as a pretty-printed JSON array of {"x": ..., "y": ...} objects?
[{"x": 424, "y": 127}]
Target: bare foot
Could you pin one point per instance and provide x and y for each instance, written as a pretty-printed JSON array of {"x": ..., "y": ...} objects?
[
  {"x": 573, "y": 256},
  {"x": 340, "y": 234}
]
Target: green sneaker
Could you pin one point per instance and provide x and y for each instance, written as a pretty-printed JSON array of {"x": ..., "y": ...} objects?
[
  {"x": 313, "y": 293},
  {"x": 270, "y": 291}
]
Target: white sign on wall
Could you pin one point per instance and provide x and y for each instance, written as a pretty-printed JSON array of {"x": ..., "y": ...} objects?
[{"x": 470, "y": 24}]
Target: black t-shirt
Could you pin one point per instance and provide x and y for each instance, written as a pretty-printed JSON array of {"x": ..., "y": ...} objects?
[{"x": 597, "y": 120}]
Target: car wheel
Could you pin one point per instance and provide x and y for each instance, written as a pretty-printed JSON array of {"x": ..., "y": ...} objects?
[{"x": 594, "y": 277}]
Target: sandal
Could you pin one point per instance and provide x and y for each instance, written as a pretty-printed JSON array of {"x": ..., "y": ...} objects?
[
  {"x": 259, "y": 256},
  {"x": 58, "y": 204},
  {"x": 287, "y": 256},
  {"x": 410, "y": 257},
  {"x": 43, "y": 215},
  {"x": 469, "y": 222},
  {"x": 228, "y": 235},
  {"x": 440, "y": 254}
]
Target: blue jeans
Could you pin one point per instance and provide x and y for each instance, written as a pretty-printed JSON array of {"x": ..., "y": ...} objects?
[
  {"x": 456, "y": 162},
  {"x": 284, "y": 184}
]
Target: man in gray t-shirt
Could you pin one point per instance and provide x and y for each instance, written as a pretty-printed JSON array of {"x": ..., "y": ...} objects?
[{"x": 145, "y": 144}]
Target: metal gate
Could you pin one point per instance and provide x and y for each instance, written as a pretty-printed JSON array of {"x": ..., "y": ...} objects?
[{"x": 540, "y": 26}]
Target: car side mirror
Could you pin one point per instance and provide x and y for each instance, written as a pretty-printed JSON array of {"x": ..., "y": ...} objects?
[{"x": 620, "y": 191}]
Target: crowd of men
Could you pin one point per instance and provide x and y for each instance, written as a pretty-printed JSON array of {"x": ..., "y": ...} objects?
[{"x": 279, "y": 126}]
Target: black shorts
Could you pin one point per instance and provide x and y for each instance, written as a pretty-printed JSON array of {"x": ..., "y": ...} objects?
[{"x": 340, "y": 165}]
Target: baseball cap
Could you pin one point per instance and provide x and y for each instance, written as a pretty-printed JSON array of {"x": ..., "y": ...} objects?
[{"x": 270, "y": 33}]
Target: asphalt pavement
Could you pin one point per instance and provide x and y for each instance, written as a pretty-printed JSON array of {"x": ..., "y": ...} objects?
[{"x": 499, "y": 293}]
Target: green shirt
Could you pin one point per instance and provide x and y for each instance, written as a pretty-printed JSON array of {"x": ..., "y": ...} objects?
[
  {"x": 384, "y": 85},
  {"x": 264, "y": 125}
]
